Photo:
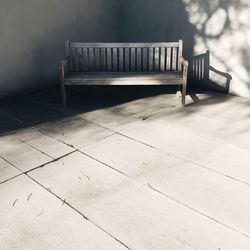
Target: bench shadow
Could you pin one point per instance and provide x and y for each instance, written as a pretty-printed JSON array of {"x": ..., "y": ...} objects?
[{"x": 204, "y": 76}]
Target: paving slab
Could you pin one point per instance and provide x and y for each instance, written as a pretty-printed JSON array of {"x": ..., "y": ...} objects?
[
  {"x": 8, "y": 124},
  {"x": 74, "y": 131},
  {"x": 208, "y": 127},
  {"x": 7, "y": 171},
  {"x": 43, "y": 143},
  {"x": 228, "y": 109},
  {"x": 22, "y": 155},
  {"x": 135, "y": 214},
  {"x": 188, "y": 183},
  {"x": 151, "y": 106},
  {"x": 209, "y": 152},
  {"x": 114, "y": 118},
  {"x": 32, "y": 218},
  {"x": 33, "y": 113}
]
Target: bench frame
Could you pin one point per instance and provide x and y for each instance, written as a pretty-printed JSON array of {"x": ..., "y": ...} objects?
[{"x": 66, "y": 67}]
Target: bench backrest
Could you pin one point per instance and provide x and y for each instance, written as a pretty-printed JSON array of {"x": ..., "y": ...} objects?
[{"x": 128, "y": 57}]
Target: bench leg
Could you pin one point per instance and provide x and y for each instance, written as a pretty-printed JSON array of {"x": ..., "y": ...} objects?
[
  {"x": 64, "y": 95},
  {"x": 183, "y": 94}
]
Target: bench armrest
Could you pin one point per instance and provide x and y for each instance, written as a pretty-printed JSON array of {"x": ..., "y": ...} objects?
[
  {"x": 65, "y": 62},
  {"x": 184, "y": 64},
  {"x": 64, "y": 68}
]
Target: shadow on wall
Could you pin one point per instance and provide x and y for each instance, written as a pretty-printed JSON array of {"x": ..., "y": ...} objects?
[
  {"x": 222, "y": 26},
  {"x": 201, "y": 71}
]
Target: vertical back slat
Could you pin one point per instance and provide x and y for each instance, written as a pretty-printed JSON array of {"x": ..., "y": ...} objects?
[
  {"x": 180, "y": 54},
  {"x": 103, "y": 59},
  {"x": 127, "y": 59},
  {"x": 144, "y": 59},
  {"x": 206, "y": 65},
  {"x": 174, "y": 59},
  {"x": 91, "y": 59},
  {"x": 132, "y": 59},
  {"x": 97, "y": 60},
  {"x": 156, "y": 59},
  {"x": 169, "y": 56},
  {"x": 79, "y": 59},
  {"x": 197, "y": 69},
  {"x": 162, "y": 59},
  {"x": 74, "y": 59},
  {"x": 151, "y": 59},
  {"x": 121, "y": 59},
  {"x": 138, "y": 59},
  {"x": 115, "y": 59},
  {"x": 85, "y": 59},
  {"x": 67, "y": 48},
  {"x": 109, "y": 59}
]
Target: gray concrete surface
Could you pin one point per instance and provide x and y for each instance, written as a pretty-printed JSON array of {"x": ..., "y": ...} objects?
[{"x": 131, "y": 172}]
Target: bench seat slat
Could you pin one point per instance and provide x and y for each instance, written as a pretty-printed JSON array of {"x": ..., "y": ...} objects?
[{"x": 125, "y": 78}]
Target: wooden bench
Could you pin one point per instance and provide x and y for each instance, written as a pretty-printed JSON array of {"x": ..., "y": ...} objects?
[{"x": 124, "y": 64}]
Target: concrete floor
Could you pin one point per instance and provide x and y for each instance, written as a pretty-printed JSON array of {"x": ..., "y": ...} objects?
[{"x": 123, "y": 171}]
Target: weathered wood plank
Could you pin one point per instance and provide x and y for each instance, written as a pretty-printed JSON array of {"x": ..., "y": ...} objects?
[
  {"x": 125, "y": 45},
  {"x": 103, "y": 59},
  {"x": 144, "y": 59},
  {"x": 115, "y": 59},
  {"x": 85, "y": 59},
  {"x": 121, "y": 59},
  {"x": 127, "y": 59},
  {"x": 125, "y": 78},
  {"x": 156, "y": 59},
  {"x": 169, "y": 56},
  {"x": 109, "y": 59},
  {"x": 132, "y": 59},
  {"x": 138, "y": 59},
  {"x": 97, "y": 59},
  {"x": 151, "y": 60},
  {"x": 174, "y": 59},
  {"x": 180, "y": 54},
  {"x": 162, "y": 59},
  {"x": 91, "y": 59}
]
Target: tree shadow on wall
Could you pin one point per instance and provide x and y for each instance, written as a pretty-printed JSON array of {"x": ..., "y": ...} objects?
[
  {"x": 222, "y": 26},
  {"x": 167, "y": 20}
]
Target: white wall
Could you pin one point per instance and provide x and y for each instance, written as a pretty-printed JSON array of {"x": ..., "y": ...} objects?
[
  {"x": 222, "y": 26},
  {"x": 32, "y": 35}
]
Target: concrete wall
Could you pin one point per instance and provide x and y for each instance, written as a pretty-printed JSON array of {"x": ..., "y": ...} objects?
[
  {"x": 33, "y": 32},
  {"x": 157, "y": 20},
  {"x": 222, "y": 26}
]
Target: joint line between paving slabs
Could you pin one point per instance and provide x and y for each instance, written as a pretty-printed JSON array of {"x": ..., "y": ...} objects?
[
  {"x": 186, "y": 159},
  {"x": 64, "y": 202},
  {"x": 169, "y": 197},
  {"x": 197, "y": 211}
]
